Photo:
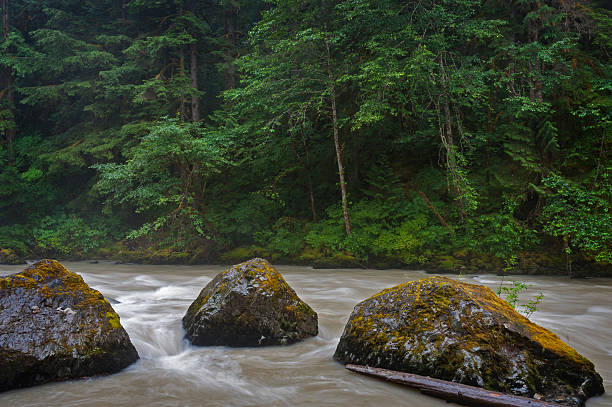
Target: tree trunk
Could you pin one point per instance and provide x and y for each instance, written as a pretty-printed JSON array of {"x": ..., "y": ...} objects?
[
  {"x": 435, "y": 211},
  {"x": 451, "y": 391},
  {"x": 10, "y": 132},
  {"x": 5, "y": 20},
  {"x": 451, "y": 158},
  {"x": 123, "y": 13},
  {"x": 195, "y": 100},
  {"x": 231, "y": 23},
  {"x": 532, "y": 95},
  {"x": 568, "y": 259},
  {"x": 449, "y": 144},
  {"x": 599, "y": 157},
  {"x": 347, "y": 221},
  {"x": 539, "y": 93},
  {"x": 8, "y": 85},
  {"x": 313, "y": 208},
  {"x": 354, "y": 174},
  {"x": 448, "y": 123},
  {"x": 535, "y": 88},
  {"x": 182, "y": 73},
  {"x": 332, "y": 95}
]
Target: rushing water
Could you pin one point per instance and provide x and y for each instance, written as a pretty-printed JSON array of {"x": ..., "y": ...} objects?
[{"x": 153, "y": 299}]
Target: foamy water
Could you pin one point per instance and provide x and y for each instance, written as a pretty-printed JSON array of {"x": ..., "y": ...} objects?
[{"x": 171, "y": 372}]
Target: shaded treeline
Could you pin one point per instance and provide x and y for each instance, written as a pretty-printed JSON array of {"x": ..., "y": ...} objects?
[{"x": 382, "y": 130}]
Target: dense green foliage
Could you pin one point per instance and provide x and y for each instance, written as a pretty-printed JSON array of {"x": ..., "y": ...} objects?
[{"x": 369, "y": 131}]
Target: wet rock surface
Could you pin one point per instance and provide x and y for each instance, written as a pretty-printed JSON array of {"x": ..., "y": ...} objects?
[
  {"x": 459, "y": 332},
  {"x": 249, "y": 304},
  {"x": 53, "y": 326}
]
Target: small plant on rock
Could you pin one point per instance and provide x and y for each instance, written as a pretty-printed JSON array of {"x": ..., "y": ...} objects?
[{"x": 510, "y": 293}]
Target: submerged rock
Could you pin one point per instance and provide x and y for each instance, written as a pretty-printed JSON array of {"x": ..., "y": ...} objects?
[
  {"x": 249, "y": 304},
  {"x": 53, "y": 326},
  {"x": 464, "y": 333}
]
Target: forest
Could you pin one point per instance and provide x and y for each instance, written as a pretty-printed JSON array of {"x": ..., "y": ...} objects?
[{"x": 455, "y": 135}]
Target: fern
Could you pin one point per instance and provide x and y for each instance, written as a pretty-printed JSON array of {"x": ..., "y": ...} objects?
[{"x": 534, "y": 148}]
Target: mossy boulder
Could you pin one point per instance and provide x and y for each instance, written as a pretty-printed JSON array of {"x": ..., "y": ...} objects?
[
  {"x": 53, "y": 326},
  {"x": 459, "y": 332},
  {"x": 249, "y": 304}
]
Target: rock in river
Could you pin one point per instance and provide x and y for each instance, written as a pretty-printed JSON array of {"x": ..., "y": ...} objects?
[
  {"x": 53, "y": 326},
  {"x": 459, "y": 332},
  {"x": 249, "y": 304}
]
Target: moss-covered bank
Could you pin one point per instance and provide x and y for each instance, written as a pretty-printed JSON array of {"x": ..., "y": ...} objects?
[{"x": 544, "y": 261}]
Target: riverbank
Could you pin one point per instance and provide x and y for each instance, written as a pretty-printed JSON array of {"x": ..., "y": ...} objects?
[{"x": 543, "y": 262}]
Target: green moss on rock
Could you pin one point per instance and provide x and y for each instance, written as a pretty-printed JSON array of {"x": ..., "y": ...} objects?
[
  {"x": 461, "y": 332},
  {"x": 53, "y": 326},
  {"x": 113, "y": 319},
  {"x": 249, "y": 304}
]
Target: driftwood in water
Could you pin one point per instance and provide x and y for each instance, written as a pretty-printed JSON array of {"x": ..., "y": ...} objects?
[{"x": 450, "y": 391}]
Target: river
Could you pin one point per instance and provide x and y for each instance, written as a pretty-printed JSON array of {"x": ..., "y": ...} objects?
[{"x": 153, "y": 299}]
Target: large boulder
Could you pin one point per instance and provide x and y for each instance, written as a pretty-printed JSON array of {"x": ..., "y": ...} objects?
[
  {"x": 464, "y": 333},
  {"x": 249, "y": 304},
  {"x": 54, "y": 327}
]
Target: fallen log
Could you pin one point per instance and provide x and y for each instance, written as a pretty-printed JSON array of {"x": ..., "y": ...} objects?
[{"x": 450, "y": 391}]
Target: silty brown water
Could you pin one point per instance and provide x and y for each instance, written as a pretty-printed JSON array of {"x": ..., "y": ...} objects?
[{"x": 153, "y": 299}]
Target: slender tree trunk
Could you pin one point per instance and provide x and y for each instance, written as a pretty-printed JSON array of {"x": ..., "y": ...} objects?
[
  {"x": 535, "y": 88},
  {"x": 435, "y": 211},
  {"x": 347, "y": 221},
  {"x": 332, "y": 95},
  {"x": 193, "y": 47},
  {"x": 313, "y": 207},
  {"x": 451, "y": 158},
  {"x": 448, "y": 131},
  {"x": 599, "y": 157},
  {"x": 5, "y": 20},
  {"x": 449, "y": 144},
  {"x": 183, "y": 108},
  {"x": 447, "y": 121},
  {"x": 532, "y": 95},
  {"x": 123, "y": 13},
  {"x": 354, "y": 173},
  {"x": 182, "y": 73},
  {"x": 538, "y": 84},
  {"x": 568, "y": 259},
  {"x": 231, "y": 23},
  {"x": 195, "y": 100},
  {"x": 10, "y": 132}
]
